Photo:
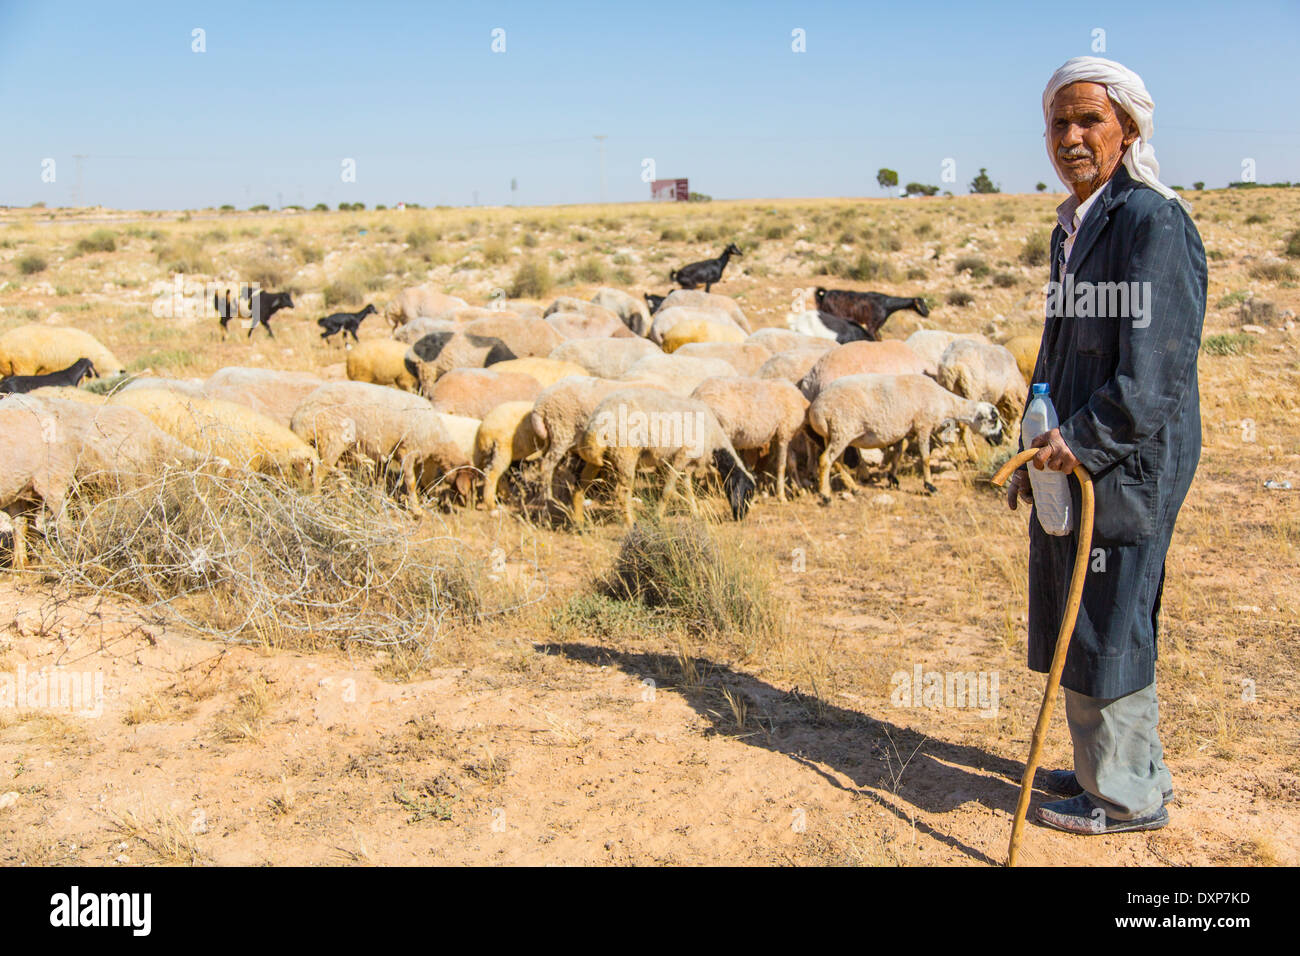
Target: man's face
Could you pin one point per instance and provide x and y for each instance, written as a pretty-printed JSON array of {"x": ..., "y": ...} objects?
[{"x": 1087, "y": 135}]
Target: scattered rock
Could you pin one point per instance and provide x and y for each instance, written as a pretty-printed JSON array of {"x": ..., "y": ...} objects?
[{"x": 9, "y": 799}]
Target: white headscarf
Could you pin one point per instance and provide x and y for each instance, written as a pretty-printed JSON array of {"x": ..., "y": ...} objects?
[{"x": 1127, "y": 89}]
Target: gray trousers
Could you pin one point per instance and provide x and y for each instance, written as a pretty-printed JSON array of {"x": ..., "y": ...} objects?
[{"x": 1118, "y": 759}]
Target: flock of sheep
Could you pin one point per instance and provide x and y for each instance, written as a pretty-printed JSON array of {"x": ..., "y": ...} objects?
[{"x": 459, "y": 394}]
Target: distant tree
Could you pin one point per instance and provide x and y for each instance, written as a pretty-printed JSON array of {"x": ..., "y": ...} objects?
[
  {"x": 320, "y": 207},
  {"x": 1198, "y": 185},
  {"x": 381, "y": 206},
  {"x": 982, "y": 183},
  {"x": 227, "y": 207},
  {"x": 345, "y": 206},
  {"x": 260, "y": 207},
  {"x": 698, "y": 197},
  {"x": 1041, "y": 187},
  {"x": 887, "y": 178},
  {"x": 920, "y": 189}
]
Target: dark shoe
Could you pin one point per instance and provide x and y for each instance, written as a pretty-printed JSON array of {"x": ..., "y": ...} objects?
[
  {"x": 1080, "y": 815},
  {"x": 1066, "y": 784}
]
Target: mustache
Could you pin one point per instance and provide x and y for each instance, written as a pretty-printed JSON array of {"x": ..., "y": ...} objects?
[{"x": 1075, "y": 152}]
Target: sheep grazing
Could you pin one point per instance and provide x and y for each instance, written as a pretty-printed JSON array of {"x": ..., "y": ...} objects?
[
  {"x": 436, "y": 355},
  {"x": 606, "y": 358},
  {"x": 985, "y": 373},
  {"x": 578, "y": 325},
  {"x": 64, "y": 393},
  {"x": 270, "y": 392},
  {"x": 416, "y": 329},
  {"x": 473, "y": 392},
  {"x": 679, "y": 375},
  {"x": 50, "y": 443},
  {"x": 225, "y": 430},
  {"x": 463, "y": 432},
  {"x": 635, "y": 316},
  {"x": 524, "y": 337},
  {"x": 746, "y": 359},
  {"x": 643, "y": 426},
  {"x": 670, "y": 316},
  {"x": 867, "y": 309},
  {"x": 558, "y": 416},
  {"x": 707, "y": 271},
  {"x": 263, "y": 305},
  {"x": 1025, "y": 349},
  {"x": 757, "y": 414},
  {"x": 381, "y": 362},
  {"x": 860, "y": 358},
  {"x": 777, "y": 341},
  {"x": 42, "y": 349},
  {"x": 568, "y": 303},
  {"x": 382, "y": 426},
  {"x": 69, "y": 377},
  {"x": 345, "y": 322},
  {"x": 546, "y": 371},
  {"x": 791, "y": 366},
  {"x": 700, "y": 331},
  {"x": 185, "y": 386},
  {"x": 421, "y": 301},
  {"x": 506, "y": 436},
  {"x": 706, "y": 300},
  {"x": 888, "y": 411},
  {"x": 930, "y": 343}
]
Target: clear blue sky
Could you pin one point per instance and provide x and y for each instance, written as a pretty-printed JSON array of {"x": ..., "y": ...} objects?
[{"x": 413, "y": 92}]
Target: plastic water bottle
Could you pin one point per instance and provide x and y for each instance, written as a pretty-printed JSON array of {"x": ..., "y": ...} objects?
[{"x": 1051, "y": 488}]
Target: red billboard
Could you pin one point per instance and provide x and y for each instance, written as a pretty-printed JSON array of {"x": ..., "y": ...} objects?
[{"x": 669, "y": 190}]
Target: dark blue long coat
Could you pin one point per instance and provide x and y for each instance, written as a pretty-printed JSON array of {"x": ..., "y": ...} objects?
[{"x": 1124, "y": 384}]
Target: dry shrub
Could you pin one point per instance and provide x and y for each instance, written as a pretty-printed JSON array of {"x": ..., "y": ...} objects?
[
  {"x": 248, "y": 558},
  {"x": 704, "y": 579}
]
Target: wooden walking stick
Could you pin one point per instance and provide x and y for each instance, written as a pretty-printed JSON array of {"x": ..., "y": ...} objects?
[{"x": 1081, "y": 554}]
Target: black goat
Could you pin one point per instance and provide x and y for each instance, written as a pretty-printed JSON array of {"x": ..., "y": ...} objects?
[
  {"x": 345, "y": 322},
  {"x": 70, "y": 377},
  {"x": 708, "y": 271},
  {"x": 867, "y": 309},
  {"x": 654, "y": 301},
  {"x": 226, "y": 309},
  {"x": 263, "y": 305}
]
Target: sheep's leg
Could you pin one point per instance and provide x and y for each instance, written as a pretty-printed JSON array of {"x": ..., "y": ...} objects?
[
  {"x": 689, "y": 484},
  {"x": 589, "y": 473},
  {"x": 782, "y": 449},
  {"x": 895, "y": 458},
  {"x": 550, "y": 461},
  {"x": 830, "y": 455},
  {"x": 923, "y": 449},
  {"x": 20, "y": 542},
  {"x": 670, "y": 486},
  {"x": 497, "y": 466},
  {"x": 408, "y": 478}
]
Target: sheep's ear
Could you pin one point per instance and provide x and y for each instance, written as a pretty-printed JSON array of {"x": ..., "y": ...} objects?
[{"x": 464, "y": 483}]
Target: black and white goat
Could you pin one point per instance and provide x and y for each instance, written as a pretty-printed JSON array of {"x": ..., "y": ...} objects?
[{"x": 867, "y": 309}]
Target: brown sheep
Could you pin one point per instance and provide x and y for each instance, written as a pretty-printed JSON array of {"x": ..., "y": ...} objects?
[{"x": 889, "y": 357}]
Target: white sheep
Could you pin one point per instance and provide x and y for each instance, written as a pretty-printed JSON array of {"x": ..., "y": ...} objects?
[
  {"x": 421, "y": 301},
  {"x": 888, "y": 411},
  {"x": 546, "y": 371},
  {"x": 777, "y": 341},
  {"x": 629, "y": 308},
  {"x": 41, "y": 349},
  {"x": 382, "y": 426},
  {"x": 889, "y": 357},
  {"x": 791, "y": 366},
  {"x": 636, "y": 427},
  {"x": 930, "y": 343},
  {"x": 757, "y": 414},
  {"x": 579, "y": 325},
  {"x": 694, "y": 298},
  {"x": 474, "y": 392},
  {"x": 271, "y": 392},
  {"x": 416, "y": 329},
  {"x": 605, "y": 358},
  {"x": 985, "y": 373},
  {"x": 677, "y": 375},
  {"x": 235, "y": 433},
  {"x": 745, "y": 358},
  {"x": 666, "y": 318}
]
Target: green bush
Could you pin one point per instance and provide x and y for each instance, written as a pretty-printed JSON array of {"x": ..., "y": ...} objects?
[
  {"x": 1005, "y": 280},
  {"x": 960, "y": 297},
  {"x": 1233, "y": 343},
  {"x": 975, "y": 265},
  {"x": 672, "y": 234},
  {"x": 1037, "y": 247},
  {"x": 30, "y": 264},
  {"x": 101, "y": 240},
  {"x": 591, "y": 269},
  {"x": 864, "y": 268},
  {"x": 1293, "y": 245},
  {"x": 1272, "y": 271},
  {"x": 532, "y": 280}
]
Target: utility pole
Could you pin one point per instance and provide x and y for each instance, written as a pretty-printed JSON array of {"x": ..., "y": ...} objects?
[{"x": 601, "y": 139}]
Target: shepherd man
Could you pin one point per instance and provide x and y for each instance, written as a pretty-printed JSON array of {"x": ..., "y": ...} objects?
[{"x": 1118, "y": 354}]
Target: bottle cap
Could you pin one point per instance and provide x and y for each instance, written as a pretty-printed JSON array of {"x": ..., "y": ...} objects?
[{"x": 1039, "y": 388}]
